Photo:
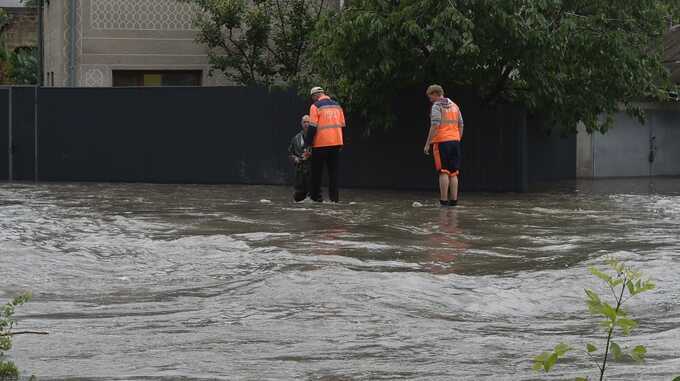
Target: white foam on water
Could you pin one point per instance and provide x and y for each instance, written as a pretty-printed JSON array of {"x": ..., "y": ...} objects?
[
  {"x": 240, "y": 220},
  {"x": 344, "y": 244},
  {"x": 489, "y": 253},
  {"x": 261, "y": 236},
  {"x": 558, "y": 248},
  {"x": 550, "y": 211},
  {"x": 220, "y": 242}
]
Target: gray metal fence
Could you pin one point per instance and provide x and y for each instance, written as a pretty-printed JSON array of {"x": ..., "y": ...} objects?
[{"x": 236, "y": 135}]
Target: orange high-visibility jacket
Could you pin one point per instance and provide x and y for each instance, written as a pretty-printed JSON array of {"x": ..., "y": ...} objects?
[
  {"x": 447, "y": 115},
  {"x": 327, "y": 116}
]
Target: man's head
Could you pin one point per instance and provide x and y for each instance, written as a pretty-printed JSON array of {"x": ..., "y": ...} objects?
[
  {"x": 305, "y": 123},
  {"x": 435, "y": 93},
  {"x": 316, "y": 93}
]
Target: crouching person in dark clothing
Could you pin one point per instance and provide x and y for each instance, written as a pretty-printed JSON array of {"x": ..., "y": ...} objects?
[{"x": 303, "y": 165}]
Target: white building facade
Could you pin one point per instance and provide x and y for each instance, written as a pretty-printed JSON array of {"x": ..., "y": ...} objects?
[{"x": 100, "y": 43}]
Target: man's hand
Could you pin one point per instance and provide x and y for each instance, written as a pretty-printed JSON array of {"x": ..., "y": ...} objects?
[
  {"x": 306, "y": 155},
  {"x": 427, "y": 149}
]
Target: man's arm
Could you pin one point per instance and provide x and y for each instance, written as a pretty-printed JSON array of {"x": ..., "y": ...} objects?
[
  {"x": 430, "y": 136},
  {"x": 460, "y": 124},
  {"x": 313, "y": 123},
  {"x": 291, "y": 152},
  {"x": 344, "y": 125},
  {"x": 435, "y": 121},
  {"x": 311, "y": 133}
]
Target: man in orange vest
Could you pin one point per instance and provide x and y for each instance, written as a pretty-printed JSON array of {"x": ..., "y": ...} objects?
[
  {"x": 446, "y": 132},
  {"x": 326, "y": 121}
]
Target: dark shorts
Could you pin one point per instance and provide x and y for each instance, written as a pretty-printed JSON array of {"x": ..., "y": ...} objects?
[{"x": 447, "y": 157}]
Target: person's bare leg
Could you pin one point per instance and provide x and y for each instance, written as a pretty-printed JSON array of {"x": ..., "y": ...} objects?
[
  {"x": 454, "y": 188},
  {"x": 444, "y": 186}
]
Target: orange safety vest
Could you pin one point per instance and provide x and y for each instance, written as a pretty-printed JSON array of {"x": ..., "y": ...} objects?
[
  {"x": 327, "y": 116},
  {"x": 449, "y": 129}
]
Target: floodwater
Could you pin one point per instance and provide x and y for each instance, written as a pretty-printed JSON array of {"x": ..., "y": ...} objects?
[{"x": 169, "y": 282}]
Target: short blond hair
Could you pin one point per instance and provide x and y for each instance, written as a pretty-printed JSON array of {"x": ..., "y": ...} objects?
[{"x": 435, "y": 89}]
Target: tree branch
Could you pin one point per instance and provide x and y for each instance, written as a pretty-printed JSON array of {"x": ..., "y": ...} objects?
[
  {"x": 24, "y": 333},
  {"x": 613, "y": 291},
  {"x": 501, "y": 84},
  {"x": 611, "y": 329},
  {"x": 594, "y": 360},
  {"x": 243, "y": 54},
  {"x": 282, "y": 19}
]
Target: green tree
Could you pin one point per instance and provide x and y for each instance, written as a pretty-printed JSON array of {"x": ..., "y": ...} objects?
[
  {"x": 19, "y": 67},
  {"x": 568, "y": 60},
  {"x": 24, "y": 66},
  {"x": 4, "y": 18},
  {"x": 261, "y": 42},
  {"x": 674, "y": 10},
  {"x": 5, "y": 56}
]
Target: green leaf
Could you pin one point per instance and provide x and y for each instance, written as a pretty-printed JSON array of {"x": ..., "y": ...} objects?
[
  {"x": 561, "y": 349},
  {"x": 591, "y": 348},
  {"x": 600, "y": 274},
  {"x": 581, "y": 379},
  {"x": 647, "y": 286},
  {"x": 539, "y": 361},
  {"x": 550, "y": 362},
  {"x": 8, "y": 371},
  {"x": 594, "y": 303},
  {"x": 676, "y": 378},
  {"x": 616, "y": 351},
  {"x": 627, "y": 325},
  {"x": 631, "y": 288},
  {"x": 638, "y": 354},
  {"x": 606, "y": 324},
  {"x": 5, "y": 343},
  {"x": 592, "y": 295},
  {"x": 609, "y": 311},
  {"x": 616, "y": 266}
]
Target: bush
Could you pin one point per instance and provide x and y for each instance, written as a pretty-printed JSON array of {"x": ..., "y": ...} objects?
[{"x": 9, "y": 371}]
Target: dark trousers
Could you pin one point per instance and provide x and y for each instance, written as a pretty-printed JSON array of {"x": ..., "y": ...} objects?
[
  {"x": 328, "y": 157},
  {"x": 303, "y": 181}
]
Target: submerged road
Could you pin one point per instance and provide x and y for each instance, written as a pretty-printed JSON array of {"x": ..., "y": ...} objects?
[{"x": 165, "y": 282}]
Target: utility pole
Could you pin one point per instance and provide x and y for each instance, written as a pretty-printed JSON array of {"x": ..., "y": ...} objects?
[
  {"x": 41, "y": 45},
  {"x": 41, "y": 83},
  {"x": 72, "y": 43}
]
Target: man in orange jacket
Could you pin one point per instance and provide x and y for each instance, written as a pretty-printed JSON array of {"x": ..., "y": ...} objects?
[
  {"x": 324, "y": 135},
  {"x": 446, "y": 132}
]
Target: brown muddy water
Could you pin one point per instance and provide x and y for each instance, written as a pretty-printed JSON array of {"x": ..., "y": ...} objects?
[{"x": 181, "y": 282}]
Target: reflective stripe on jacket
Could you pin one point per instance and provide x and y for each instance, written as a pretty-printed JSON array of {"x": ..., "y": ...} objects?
[{"x": 327, "y": 117}]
